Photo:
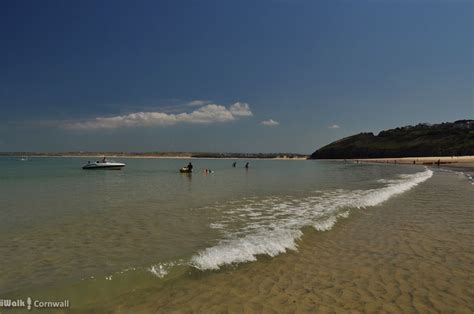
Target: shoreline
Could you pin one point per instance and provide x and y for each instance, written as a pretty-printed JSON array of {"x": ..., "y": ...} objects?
[
  {"x": 152, "y": 157},
  {"x": 445, "y": 161},
  {"x": 449, "y": 161}
]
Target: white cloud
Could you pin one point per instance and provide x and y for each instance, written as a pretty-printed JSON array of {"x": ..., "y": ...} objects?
[
  {"x": 240, "y": 109},
  {"x": 211, "y": 113},
  {"x": 270, "y": 122},
  {"x": 334, "y": 126}
]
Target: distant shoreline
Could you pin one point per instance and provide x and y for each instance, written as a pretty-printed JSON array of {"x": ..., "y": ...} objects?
[
  {"x": 450, "y": 161},
  {"x": 445, "y": 161},
  {"x": 250, "y": 156}
]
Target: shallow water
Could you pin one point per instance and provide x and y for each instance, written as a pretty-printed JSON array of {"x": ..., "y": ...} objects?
[
  {"x": 411, "y": 254},
  {"x": 91, "y": 236}
]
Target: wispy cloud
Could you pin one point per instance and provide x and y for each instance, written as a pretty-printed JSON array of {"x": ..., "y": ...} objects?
[
  {"x": 209, "y": 113},
  {"x": 270, "y": 122},
  {"x": 198, "y": 103},
  {"x": 334, "y": 126}
]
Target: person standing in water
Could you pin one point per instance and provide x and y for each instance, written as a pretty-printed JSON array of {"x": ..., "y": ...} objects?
[
  {"x": 234, "y": 164},
  {"x": 190, "y": 167},
  {"x": 247, "y": 165}
]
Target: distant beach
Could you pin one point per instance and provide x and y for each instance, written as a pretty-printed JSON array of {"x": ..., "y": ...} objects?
[
  {"x": 454, "y": 161},
  {"x": 162, "y": 155}
]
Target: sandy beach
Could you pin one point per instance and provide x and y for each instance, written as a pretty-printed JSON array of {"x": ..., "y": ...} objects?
[{"x": 457, "y": 161}]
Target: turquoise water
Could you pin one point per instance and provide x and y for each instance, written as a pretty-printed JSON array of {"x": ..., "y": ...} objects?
[{"x": 60, "y": 225}]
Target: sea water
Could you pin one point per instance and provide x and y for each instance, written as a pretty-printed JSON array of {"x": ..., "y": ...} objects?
[{"x": 61, "y": 226}]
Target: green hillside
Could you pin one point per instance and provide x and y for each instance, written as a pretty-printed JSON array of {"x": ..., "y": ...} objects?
[{"x": 444, "y": 139}]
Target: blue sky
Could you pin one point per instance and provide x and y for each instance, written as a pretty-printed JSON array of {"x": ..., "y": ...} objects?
[{"x": 240, "y": 76}]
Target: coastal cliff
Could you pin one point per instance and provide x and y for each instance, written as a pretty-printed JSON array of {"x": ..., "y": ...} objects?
[{"x": 444, "y": 139}]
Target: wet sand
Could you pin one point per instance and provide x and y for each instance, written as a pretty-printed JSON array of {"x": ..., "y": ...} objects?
[{"x": 412, "y": 254}]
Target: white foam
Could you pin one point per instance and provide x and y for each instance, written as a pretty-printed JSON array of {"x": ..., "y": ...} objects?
[
  {"x": 344, "y": 214},
  {"x": 217, "y": 226},
  {"x": 325, "y": 225},
  {"x": 273, "y": 226},
  {"x": 246, "y": 249},
  {"x": 158, "y": 270},
  {"x": 377, "y": 196}
]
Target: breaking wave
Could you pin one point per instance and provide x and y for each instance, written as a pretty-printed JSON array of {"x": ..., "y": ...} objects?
[{"x": 273, "y": 225}]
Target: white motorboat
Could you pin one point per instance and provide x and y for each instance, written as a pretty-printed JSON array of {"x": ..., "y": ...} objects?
[{"x": 103, "y": 164}]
